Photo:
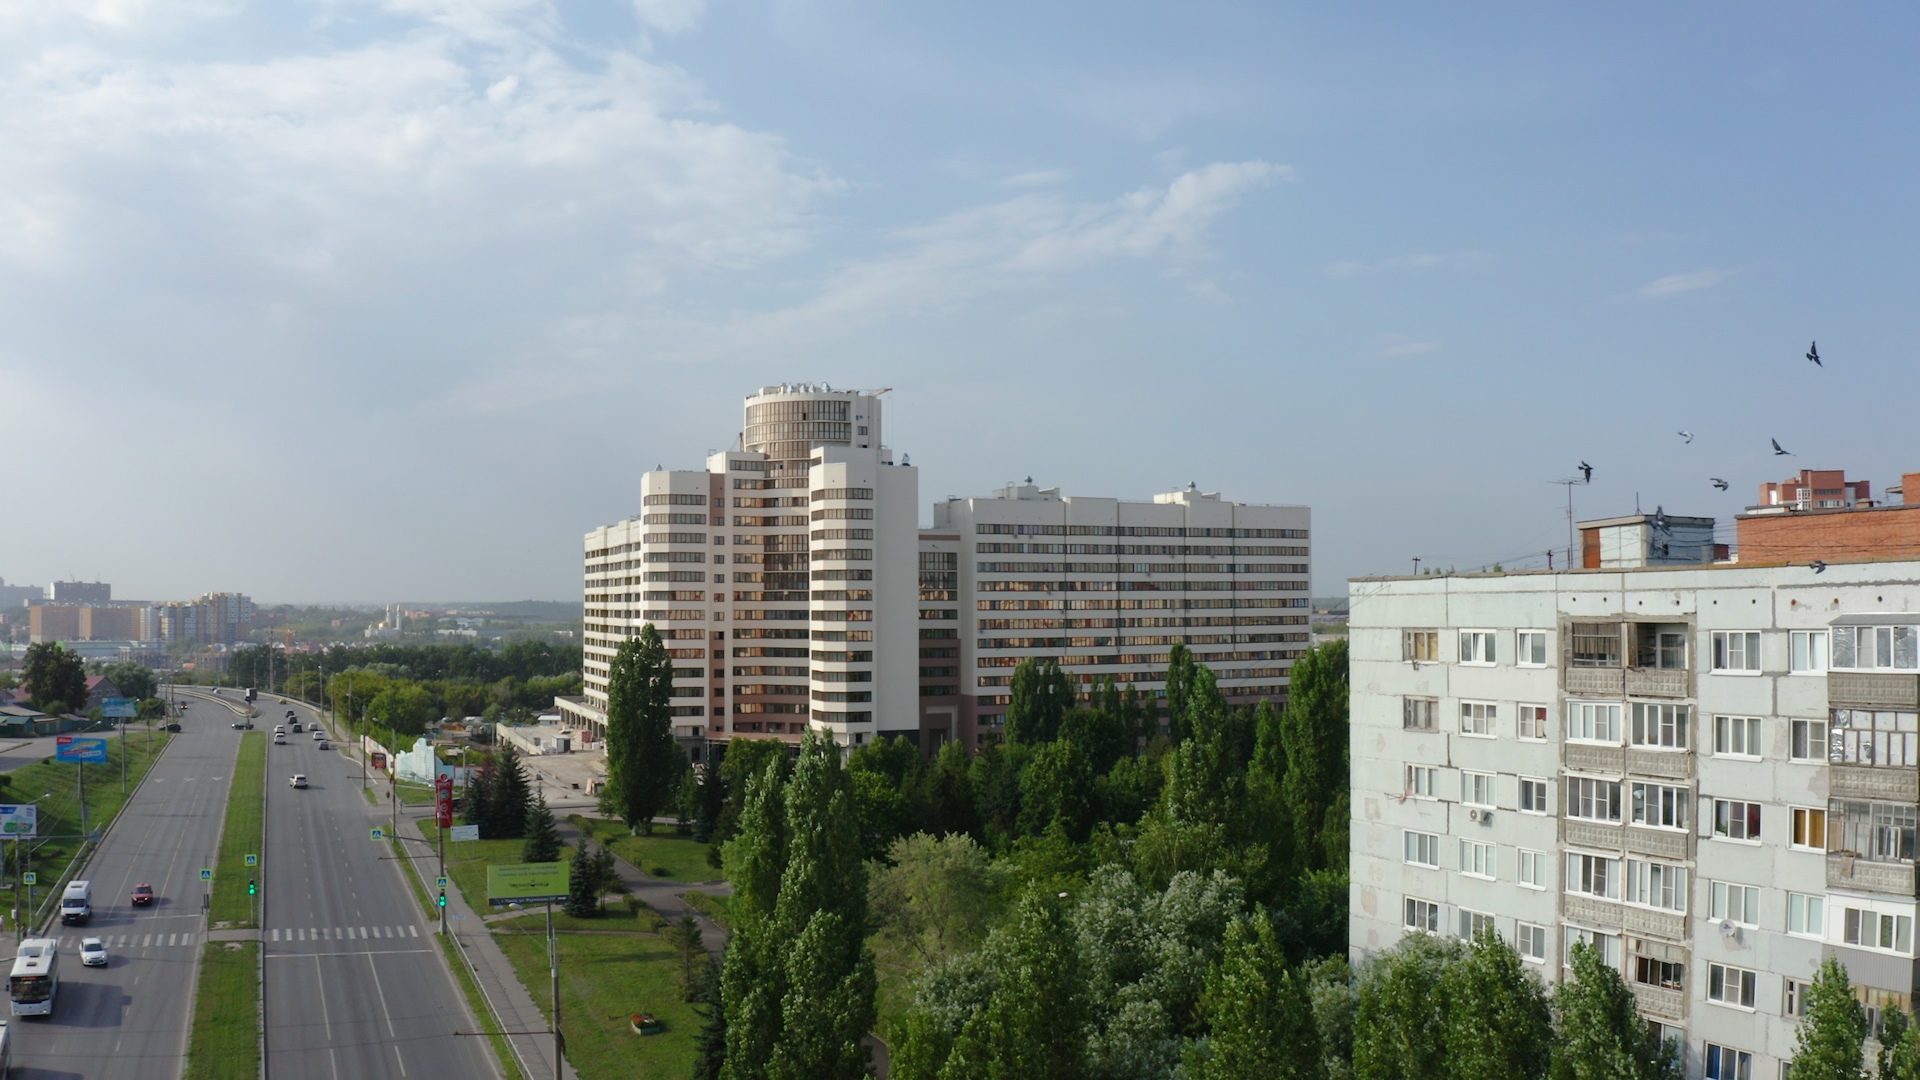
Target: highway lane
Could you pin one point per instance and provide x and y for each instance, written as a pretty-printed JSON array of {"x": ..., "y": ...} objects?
[
  {"x": 130, "y": 1018},
  {"x": 356, "y": 987}
]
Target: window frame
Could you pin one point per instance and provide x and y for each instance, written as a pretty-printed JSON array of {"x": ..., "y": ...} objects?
[
  {"x": 1543, "y": 804},
  {"x": 1470, "y": 920},
  {"x": 1586, "y": 729},
  {"x": 1540, "y": 861},
  {"x": 1884, "y": 924},
  {"x": 1413, "y": 905},
  {"x": 1820, "y": 749},
  {"x": 1752, "y": 821},
  {"x": 1535, "y": 717},
  {"x": 1653, "y": 878},
  {"x": 1714, "y": 1062},
  {"x": 1889, "y": 642},
  {"x": 1408, "y": 839},
  {"x": 1480, "y": 848},
  {"x": 1798, "y": 814},
  {"x": 1574, "y": 792},
  {"x": 1411, "y": 641},
  {"x": 1492, "y": 795},
  {"x": 1745, "y": 980},
  {"x": 1720, "y": 903},
  {"x": 1648, "y": 793},
  {"x": 1484, "y": 651},
  {"x": 1813, "y": 914},
  {"x": 1528, "y": 934},
  {"x": 1523, "y": 640},
  {"x": 1670, "y": 723},
  {"x": 1431, "y": 774},
  {"x": 1412, "y": 706},
  {"x": 1585, "y": 869},
  {"x": 1723, "y": 652},
  {"x": 1486, "y": 712},
  {"x": 1800, "y": 644},
  {"x": 1750, "y": 736}
]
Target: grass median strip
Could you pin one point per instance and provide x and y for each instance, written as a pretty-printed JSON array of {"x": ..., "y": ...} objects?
[
  {"x": 242, "y": 836},
  {"x": 226, "y": 1016}
]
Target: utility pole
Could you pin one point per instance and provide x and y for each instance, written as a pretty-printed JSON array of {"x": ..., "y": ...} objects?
[{"x": 553, "y": 969}]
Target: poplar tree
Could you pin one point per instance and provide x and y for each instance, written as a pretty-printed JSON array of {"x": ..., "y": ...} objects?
[
  {"x": 1180, "y": 672},
  {"x": 643, "y": 762},
  {"x": 1600, "y": 1034},
  {"x": 1038, "y": 700},
  {"x": 1830, "y": 1041},
  {"x": 1313, "y": 736},
  {"x": 1400, "y": 1025},
  {"x": 1261, "y": 1015},
  {"x": 1499, "y": 1023},
  {"x": 1034, "y": 1026},
  {"x": 1899, "y": 1057}
]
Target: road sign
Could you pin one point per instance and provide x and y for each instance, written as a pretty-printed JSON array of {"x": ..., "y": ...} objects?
[
  {"x": 527, "y": 882},
  {"x": 120, "y": 707},
  {"x": 17, "y": 820},
  {"x": 76, "y": 749},
  {"x": 439, "y": 883},
  {"x": 206, "y": 873},
  {"x": 464, "y": 832},
  {"x": 376, "y": 833},
  {"x": 30, "y": 877},
  {"x": 253, "y": 860}
]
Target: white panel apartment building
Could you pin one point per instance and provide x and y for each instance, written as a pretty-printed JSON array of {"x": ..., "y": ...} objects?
[
  {"x": 1661, "y": 761},
  {"x": 783, "y": 576}
]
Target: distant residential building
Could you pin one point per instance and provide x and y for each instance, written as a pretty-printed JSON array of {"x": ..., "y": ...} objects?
[
  {"x": 12, "y": 596},
  {"x": 214, "y": 619},
  {"x": 1822, "y": 516},
  {"x": 1818, "y": 489},
  {"x": 82, "y": 592}
]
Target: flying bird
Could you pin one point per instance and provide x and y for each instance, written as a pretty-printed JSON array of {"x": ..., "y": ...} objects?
[
  {"x": 1586, "y": 473},
  {"x": 1777, "y": 451},
  {"x": 1817, "y": 566},
  {"x": 1813, "y": 354},
  {"x": 1687, "y": 435},
  {"x": 1719, "y": 484}
]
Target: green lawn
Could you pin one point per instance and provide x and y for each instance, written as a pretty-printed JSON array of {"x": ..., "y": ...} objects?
[
  {"x": 620, "y": 914},
  {"x": 713, "y": 907},
  {"x": 242, "y": 836},
  {"x": 675, "y": 858},
  {"x": 603, "y": 979},
  {"x": 60, "y": 811},
  {"x": 414, "y": 794},
  {"x": 226, "y": 1014}
]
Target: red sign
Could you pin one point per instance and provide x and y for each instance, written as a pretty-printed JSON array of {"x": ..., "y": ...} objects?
[{"x": 443, "y": 799}]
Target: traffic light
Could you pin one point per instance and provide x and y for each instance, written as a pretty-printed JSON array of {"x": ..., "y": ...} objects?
[
  {"x": 252, "y": 888},
  {"x": 443, "y": 898}
]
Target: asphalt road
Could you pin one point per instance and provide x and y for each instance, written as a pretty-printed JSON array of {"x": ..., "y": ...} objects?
[
  {"x": 356, "y": 987},
  {"x": 130, "y": 1018}
]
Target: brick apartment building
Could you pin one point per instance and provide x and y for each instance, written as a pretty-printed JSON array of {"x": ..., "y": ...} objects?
[{"x": 1820, "y": 515}]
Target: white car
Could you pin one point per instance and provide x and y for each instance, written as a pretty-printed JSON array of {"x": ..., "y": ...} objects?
[
  {"x": 318, "y": 734},
  {"x": 298, "y": 780},
  {"x": 93, "y": 952},
  {"x": 279, "y": 738}
]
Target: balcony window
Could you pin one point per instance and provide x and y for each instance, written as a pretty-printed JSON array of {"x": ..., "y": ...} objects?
[
  {"x": 1876, "y": 648},
  {"x": 1665, "y": 974},
  {"x": 1887, "y": 737},
  {"x": 1875, "y": 831},
  {"x": 1660, "y": 645},
  {"x": 1661, "y": 726},
  {"x": 1596, "y": 645}
]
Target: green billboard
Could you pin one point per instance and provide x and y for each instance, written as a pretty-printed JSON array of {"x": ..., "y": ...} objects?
[{"x": 523, "y": 883}]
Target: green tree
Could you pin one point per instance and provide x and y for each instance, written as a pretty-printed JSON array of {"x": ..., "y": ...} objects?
[
  {"x": 56, "y": 678},
  {"x": 1335, "y": 1002},
  {"x": 752, "y": 977},
  {"x": 405, "y": 707},
  {"x": 1102, "y": 732},
  {"x": 1034, "y": 1025},
  {"x": 1180, "y": 672},
  {"x": 542, "y": 842},
  {"x": 710, "y": 1043},
  {"x": 745, "y": 759},
  {"x": 711, "y": 799},
  {"x": 1057, "y": 791},
  {"x": 935, "y": 897},
  {"x": 643, "y": 762},
  {"x": 1261, "y": 1015},
  {"x": 1830, "y": 1041},
  {"x": 994, "y": 777},
  {"x": 508, "y": 797},
  {"x": 132, "y": 680},
  {"x": 1039, "y": 698},
  {"x": 475, "y": 809},
  {"x": 1499, "y": 1023},
  {"x": 1899, "y": 1057},
  {"x": 583, "y": 889},
  {"x": 1313, "y": 735},
  {"x": 949, "y": 793},
  {"x": 1400, "y": 1023},
  {"x": 1600, "y": 1035},
  {"x": 884, "y": 811},
  {"x": 689, "y": 947}
]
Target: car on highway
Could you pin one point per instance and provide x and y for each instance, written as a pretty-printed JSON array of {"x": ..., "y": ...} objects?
[
  {"x": 279, "y": 738},
  {"x": 93, "y": 952},
  {"x": 143, "y": 895},
  {"x": 243, "y": 725},
  {"x": 318, "y": 734},
  {"x": 295, "y": 727},
  {"x": 174, "y": 728},
  {"x": 298, "y": 780},
  {"x": 325, "y": 745}
]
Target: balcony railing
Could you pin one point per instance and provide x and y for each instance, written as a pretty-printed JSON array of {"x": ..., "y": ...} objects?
[{"x": 1846, "y": 871}]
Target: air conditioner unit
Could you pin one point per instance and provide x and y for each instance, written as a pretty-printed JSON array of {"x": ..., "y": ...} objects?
[{"x": 1475, "y": 816}]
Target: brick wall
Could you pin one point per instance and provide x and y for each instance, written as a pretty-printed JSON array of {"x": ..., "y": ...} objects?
[{"x": 1883, "y": 532}]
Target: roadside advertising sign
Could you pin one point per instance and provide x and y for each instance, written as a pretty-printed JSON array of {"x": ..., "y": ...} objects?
[
  {"x": 523, "y": 883},
  {"x": 464, "y": 832},
  {"x": 77, "y": 749},
  {"x": 19, "y": 820},
  {"x": 123, "y": 707},
  {"x": 443, "y": 799}
]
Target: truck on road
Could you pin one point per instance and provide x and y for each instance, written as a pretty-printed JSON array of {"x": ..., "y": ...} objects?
[{"x": 76, "y": 903}]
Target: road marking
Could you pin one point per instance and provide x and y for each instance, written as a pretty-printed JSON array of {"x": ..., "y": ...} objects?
[
  {"x": 170, "y": 938},
  {"x": 146, "y": 940},
  {"x": 274, "y": 936},
  {"x": 413, "y": 931},
  {"x": 326, "y": 1017},
  {"x": 392, "y": 1031}
]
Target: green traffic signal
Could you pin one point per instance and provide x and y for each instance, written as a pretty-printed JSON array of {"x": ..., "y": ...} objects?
[
  {"x": 252, "y": 889},
  {"x": 443, "y": 898}
]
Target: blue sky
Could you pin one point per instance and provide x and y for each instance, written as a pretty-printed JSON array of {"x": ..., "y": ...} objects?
[{"x": 354, "y": 300}]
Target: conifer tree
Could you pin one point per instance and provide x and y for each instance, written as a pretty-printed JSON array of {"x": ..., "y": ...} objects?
[
  {"x": 690, "y": 949},
  {"x": 643, "y": 762},
  {"x": 710, "y": 1043},
  {"x": 475, "y": 808},
  {"x": 583, "y": 895},
  {"x": 1261, "y": 1017},
  {"x": 1830, "y": 1041},
  {"x": 509, "y": 796},
  {"x": 752, "y": 979},
  {"x": 542, "y": 843}
]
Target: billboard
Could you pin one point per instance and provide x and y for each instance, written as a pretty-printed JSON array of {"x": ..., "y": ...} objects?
[
  {"x": 17, "y": 820},
  {"x": 524, "y": 883},
  {"x": 78, "y": 749},
  {"x": 121, "y": 707},
  {"x": 463, "y": 832}
]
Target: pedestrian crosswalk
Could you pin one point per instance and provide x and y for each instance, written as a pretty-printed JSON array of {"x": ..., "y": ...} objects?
[
  {"x": 134, "y": 941},
  {"x": 342, "y": 933}
]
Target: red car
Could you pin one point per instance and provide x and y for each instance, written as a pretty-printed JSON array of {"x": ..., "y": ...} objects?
[{"x": 142, "y": 895}]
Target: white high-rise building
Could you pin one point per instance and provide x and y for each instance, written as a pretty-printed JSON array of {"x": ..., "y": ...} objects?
[
  {"x": 1711, "y": 773},
  {"x": 783, "y": 576}
]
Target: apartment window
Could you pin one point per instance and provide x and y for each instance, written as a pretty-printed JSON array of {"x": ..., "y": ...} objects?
[
  {"x": 1806, "y": 914},
  {"x": 1607, "y": 945},
  {"x": 1734, "y": 903},
  {"x": 1875, "y": 737},
  {"x": 1473, "y": 922},
  {"x": 1660, "y": 726},
  {"x": 1809, "y": 651},
  {"x": 1420, "y": 645},
  {"x": 1736, "y": 650},
  {"x": 1875, "y": 648},
  {"x": 1726, "y": 1063},
  {"x": 1666, "y": 974},
  {"x": 1476, "y": 859},
  {"x": 1478, "y": 717},
  {"x": 1660, "y": 646},
  {"x": 1476, "y": 788},
  {"x": 1656, "y": 884},
  {"x": 1591, "y": 799},
  {"x": 1809, "y": 827},
  {"x": 1876, "y": 831},
  {"x": 1873, "y": 930},
  {"x": 1596, "y": 645},
  {"x": 1533, "y": 796},
  {"x": 1531, "y": 942},
  {"x": 1533, "y": 868},
  {"x": 1476, "y": 647},
  {"x": 1422, "y": 849},
  {"x": 1423, "y": 915},
  {"x": 1530, "y": 648},
  {"x": 1808, "y": 740},
  {"x": 1736, "y": 820},
  {"x": 1533, "y": 721},
  {"x": 1423, "y": 781},
  {"x": 1729, "y": 985},
  {"x": 1662, "y": 806},
  {"x": 1593, "y": 722},
  {"x": 1593, "y": 875},
  {"x": 1736, "y": 736},
  {"x": 1419, "y": 713},
  {"x": 1793, "y": 998}
]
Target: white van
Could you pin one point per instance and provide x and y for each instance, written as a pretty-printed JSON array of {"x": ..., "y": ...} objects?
[{"x": 76, "y": 903}]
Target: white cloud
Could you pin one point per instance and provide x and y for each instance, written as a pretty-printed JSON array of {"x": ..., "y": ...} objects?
[
  {"x": 670, "y": 16},
  {"x": 1035, "y": 179},
  {"x": 1675, "y": 284},
  {"x": 1459, "y": 261}
]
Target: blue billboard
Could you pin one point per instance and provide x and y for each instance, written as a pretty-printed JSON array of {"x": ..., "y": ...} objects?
[{"x": 81, "y": 750}]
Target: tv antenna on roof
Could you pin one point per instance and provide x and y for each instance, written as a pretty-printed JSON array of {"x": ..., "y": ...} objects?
[{"x": 1585, "y": 478}]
